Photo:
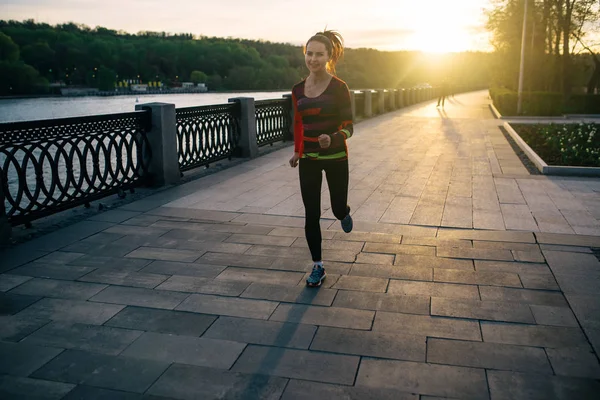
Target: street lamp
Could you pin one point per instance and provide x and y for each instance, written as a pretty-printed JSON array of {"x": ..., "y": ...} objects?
[{"x": 522, "y": 66}]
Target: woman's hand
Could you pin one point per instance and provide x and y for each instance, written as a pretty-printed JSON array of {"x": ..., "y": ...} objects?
[
  {"x": 324, "y": 141},
  {"x": 294, "y": 160}
]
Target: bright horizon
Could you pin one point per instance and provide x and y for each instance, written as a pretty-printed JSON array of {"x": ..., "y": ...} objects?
[{"x": 436, "y": 26}]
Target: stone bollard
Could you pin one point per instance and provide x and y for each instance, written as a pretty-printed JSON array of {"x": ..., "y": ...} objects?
[
  {"x": 164, "y": 166},
  {"x": 5, "y": 229},
  {"x": 353, "y": 104},
  {"x": 248, "y": 143},
  {"x": 400, "y": 103},
  {"x": 381, "y": 99},
  {"x": 368, "y": 103},
  {"x": 292, "y": 116},
  {"x": 393, "y": 95}
]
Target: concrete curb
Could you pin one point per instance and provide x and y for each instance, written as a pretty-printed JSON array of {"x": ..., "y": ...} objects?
[
  {"x": 495, "y": 111},
  {"x": 549, "y": 169}
]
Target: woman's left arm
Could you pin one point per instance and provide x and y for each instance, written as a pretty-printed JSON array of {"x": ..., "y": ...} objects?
[{"x": 346, "y": 127}]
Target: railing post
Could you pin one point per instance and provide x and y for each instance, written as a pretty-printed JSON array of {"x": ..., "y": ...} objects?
[
  {"x": 353, "y": 104},
  {"x": 164, "y": 165},
  {"x": 5, "y": 229},
  {"x": 292, "y": 116},
  {"x": 393, "y": 93},
  {"x": 381, "y": 98},
  {"x": 248, "y": 144},
  {"x": 368, "y": 100},
  {"x": 400, "y": 98}
]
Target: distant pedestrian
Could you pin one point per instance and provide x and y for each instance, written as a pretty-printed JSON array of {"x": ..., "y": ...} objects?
[
  {"x": 322, "y": 124},
  {"x": 443, "y": 93}
]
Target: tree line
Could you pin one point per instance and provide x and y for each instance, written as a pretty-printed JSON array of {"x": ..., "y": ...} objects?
[{"x": 33, "y": 55}]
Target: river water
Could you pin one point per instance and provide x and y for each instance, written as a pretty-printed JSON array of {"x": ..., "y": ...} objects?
[{"x": 60, "y": 107}]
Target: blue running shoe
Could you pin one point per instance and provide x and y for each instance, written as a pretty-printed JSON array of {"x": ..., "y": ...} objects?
[
  {"x": 317, "y": 276},
  {"x": 347, "y": 223}
]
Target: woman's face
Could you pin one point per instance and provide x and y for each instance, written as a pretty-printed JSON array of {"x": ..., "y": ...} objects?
[{"x": 316, "y": 56}]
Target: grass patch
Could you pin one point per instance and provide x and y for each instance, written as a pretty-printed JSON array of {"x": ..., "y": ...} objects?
[{"x": 575, "y": 145}]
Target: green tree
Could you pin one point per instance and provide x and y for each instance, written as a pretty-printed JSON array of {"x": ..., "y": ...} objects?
[
  {"x": 20, "y": 78},
  {"x": 106, "y": 78},
  {"x": 198, "y": 77},
  {"x": 9, "y": 51}
]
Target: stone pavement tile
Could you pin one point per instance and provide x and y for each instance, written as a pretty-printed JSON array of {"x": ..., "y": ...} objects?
[
  {"x": 9, "y": 281},
  {"x": 156, "y": 253},
  {"x": 231, "y": 306},
  {"x": 495, "y": 236},
  {"x": 161, "y": 321},
  {"x": 40, "y": 270},
  {"x": 200, "y": 236},
  {"x": 587, "y": 230},
  {"x": 21, "y": 359},
  {"x": 428, "y": 241},
  {"x": 361, "y": 283},
  {"x": 84, "y": 312},
  {"x": 306, "y": 390},
  {"x": 568, "y": 240},
  {"x": 97, "y": 339},
  {"x": 365, "y": 237},
  {"x": 59, "y": 289},
  {"x": 140, "y": 297},
  {"x": 267, "y": 333},
  {"x": 66, "y": 236},
  {"x": 373, "y": 258},
  {"x": 425, "y": 325},
  {"x": 586, "y": 308},
  {"x": 269, "y": 240},
  {"x": 539, "y": 297},
  {"x": 326, "y": 244},
  {"x": 324, "y": 316},
  {"x": 13, "y": 303},
  {"x": 18, "y": 256},
  {"x": 189, "y": 382},
  {"x": 528, "y": 256},
  {"x": 116, "y": 249},
  {"x": 433, "y": 289},
  {"x": 391, "y": 248},
  {"x": 59, "y": 257},
  {"x": 288, "y": 278},
  {"x": 120, "y": 263},
  {"x": 183, "y": 269},
  {"x": 571, "y": 249},
  {"x": 383, "y": 302},
  {"x": 305, "y": 265},
  {"x": 189, "y": 225},
  {"x": 533, "y": 335},
  {"x": 505, "y": 385},
  {"x": 573, "y": 263},
  {"x": 84, "y": 392},
  {"x": 392, "y": 271},
  {"x": 422, "y": 378},
  {"x": 406, "y": 260},
  {"x": 214, "y": 353},
  {"x": 101, "y": 238},
  {"x": 13, "y": 328},
  {"x": 193, "y": 284},
  {"x": 488, "y": 219},
  {"x": 539, "y": 281},
  {"x": 124, "y": 278},
  {"x": 575, "y": 362},
  {"x": 458, "y": 215},
  {"x": 487, "y": 355},
  {"x": 302, "y": 295},
  {"x": 17, "y": 388},
  {"x": 474, "y": 253},
  {"x": 130, "y": 230},
  {"x": 518, "y": 217},
  {"x": 116, "y": 216},
  {"x": 556, "y": 316},
  {"x": 482, "y": 310},
  {"x": 476, "y": 277},
  {"x": 118, "y": 373},
  {"x": 368, "y": 343},
  {"x": 512, "y": 267},
  {"x": 299, "y": 364},
  {"x": 194, "y": 246},
  {"x": 578, "y": 284},
  {"x": 237, "y": 260},
  {"x": 482, "y": 244}
]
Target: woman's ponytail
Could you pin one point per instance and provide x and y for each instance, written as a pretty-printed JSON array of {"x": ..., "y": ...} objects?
[{"x": 334, "y": 43}]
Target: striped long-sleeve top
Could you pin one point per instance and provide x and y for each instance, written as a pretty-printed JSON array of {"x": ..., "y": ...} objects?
[{"x": 329, "y": 113}]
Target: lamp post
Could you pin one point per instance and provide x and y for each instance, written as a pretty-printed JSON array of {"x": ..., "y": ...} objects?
[{"x": 522, "y": 66}]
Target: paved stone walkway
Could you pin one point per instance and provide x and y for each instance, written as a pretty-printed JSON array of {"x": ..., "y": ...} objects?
[{"x": 463, "y": 279}]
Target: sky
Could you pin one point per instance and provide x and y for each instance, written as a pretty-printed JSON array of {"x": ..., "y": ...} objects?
[{"x": 426, "y": 25}]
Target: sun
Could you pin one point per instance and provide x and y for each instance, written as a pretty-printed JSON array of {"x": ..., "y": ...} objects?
[{"x": 439, "y": 41}]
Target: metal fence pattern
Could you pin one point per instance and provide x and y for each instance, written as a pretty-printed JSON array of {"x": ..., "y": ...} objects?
[
  {"x": 273, "y": 120},
  {"x": 207, "y": 134},
  {"x": 52, "y": 165}
]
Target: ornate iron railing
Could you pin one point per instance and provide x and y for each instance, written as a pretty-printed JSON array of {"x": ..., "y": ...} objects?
[
  {"x": 273, "y": 120},
  {"x": 207, "y": 134},
  {"x": 52, "y": 165}
]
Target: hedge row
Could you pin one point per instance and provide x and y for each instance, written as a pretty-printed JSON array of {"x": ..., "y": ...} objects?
[{"x": 544, "y": 103}]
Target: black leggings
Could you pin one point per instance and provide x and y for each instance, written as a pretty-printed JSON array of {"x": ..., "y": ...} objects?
[{"x": 311, "y": 177}]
